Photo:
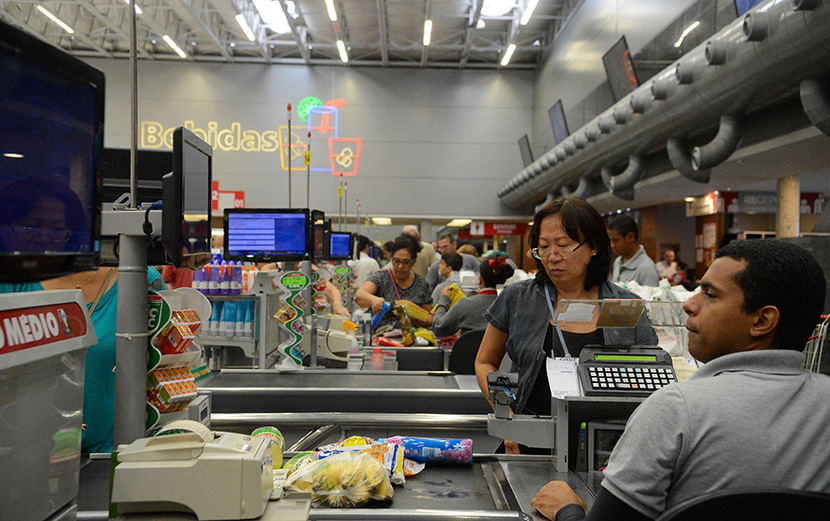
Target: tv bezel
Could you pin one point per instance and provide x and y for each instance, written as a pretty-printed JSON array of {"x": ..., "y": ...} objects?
[
  {"x": 173, "y": 195},
  {"x": 17, "y": 267},
  {"x": 319, "y": 215},
  {"x": 331, "y": 257},
  {"x": 524, "y": 146},
  {"x": 309, "y": 238},
  {"x": 561, "y": 110},
  {"x": 605, "y": 60}
]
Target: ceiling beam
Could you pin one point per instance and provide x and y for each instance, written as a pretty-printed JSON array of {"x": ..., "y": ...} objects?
[
  {"x": 116, "y": 29},
  {"x": 299, "y": 33},
  {"x": 195, "y": 10},
  {"x": 383, "y": 25},
  {"x": 72, "y": 19},
  {"x": 472, "y": 22}
]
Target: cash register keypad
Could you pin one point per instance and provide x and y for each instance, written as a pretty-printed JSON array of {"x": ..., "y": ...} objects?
[{"x": 629, "y": 378}]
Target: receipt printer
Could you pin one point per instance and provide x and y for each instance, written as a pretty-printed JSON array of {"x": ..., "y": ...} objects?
[{"x": 187, "y": 468}]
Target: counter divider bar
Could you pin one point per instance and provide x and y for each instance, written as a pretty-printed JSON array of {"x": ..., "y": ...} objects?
[
  {"x": 326, "y": 514},
  {"x": 347, "y": 419}
]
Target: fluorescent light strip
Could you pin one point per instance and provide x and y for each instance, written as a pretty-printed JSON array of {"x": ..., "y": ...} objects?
[
  {"x": 240, "y": 19},
  {"x": 55, "y": 19},
  {"x": 342, "y": 48},
  {"x": 508, "y": 54},
  {"x": 528, "y": 12},
  {"x": 169, "y": 41},
  {"x": 427, "y": 32},
  {"x": 137, "y": 9},
  {"x": 686, "y": 32},
  {"x": 382, "y": 221},
  {"x": 332, "y": 11},
  {"x": 459, "y": 223}
]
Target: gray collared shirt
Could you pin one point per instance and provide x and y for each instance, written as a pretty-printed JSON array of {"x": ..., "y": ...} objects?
[{"x": 639, "y": 268}]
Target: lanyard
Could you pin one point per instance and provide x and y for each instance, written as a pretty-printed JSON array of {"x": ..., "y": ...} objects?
[{"x": 558, "y": 329}]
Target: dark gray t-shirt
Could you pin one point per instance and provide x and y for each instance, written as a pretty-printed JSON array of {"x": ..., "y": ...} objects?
[{"x": 418, "y": 293}]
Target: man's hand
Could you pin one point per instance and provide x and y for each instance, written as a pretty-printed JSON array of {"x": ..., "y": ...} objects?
[
  {"x": 511, "y": 447},
  {"x": 553, "y": 496},
  {"x": 446, "y": 292}
]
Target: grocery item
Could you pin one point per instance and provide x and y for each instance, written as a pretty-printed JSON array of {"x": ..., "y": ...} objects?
[
  {"x": 444, "y": 450},
  {"x": 298, "y": 461},
  {"x": 277, "y": 442},
  {"x": 346, "y": 479}
]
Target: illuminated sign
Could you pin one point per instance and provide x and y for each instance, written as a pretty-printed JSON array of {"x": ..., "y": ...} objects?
[{"x": 344, "y": 153}]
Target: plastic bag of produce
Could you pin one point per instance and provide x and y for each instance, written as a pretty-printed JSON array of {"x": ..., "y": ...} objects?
[
  {"x": 389, "y": 454},
  {"x": 346, "y": 479}
]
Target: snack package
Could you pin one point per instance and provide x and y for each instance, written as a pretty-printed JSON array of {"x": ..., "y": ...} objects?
[
  {"x": 444, "y": 450},
  {"x": 298, "y": 461},
  {"x": 277, "y": 442},
  {"x": 346, "y": 479},
  {"x": 389, "y": 454}
]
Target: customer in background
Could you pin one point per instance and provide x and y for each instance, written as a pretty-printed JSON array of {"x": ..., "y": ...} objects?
[
  {"x": 468, "y": 313},
  {"x": 100, "y": 290},
  {"x": 632, "y": 263},
  {"x": 397, "y": 283},
  {"x": 177, "y": 277},
  {"x": 571, "y": 248},
  {"x": 750, "y": 418},
  {"x": 386, "y": 253},
  {"x": 426, "y": 255},
  {"x": 671, "y": 268},
  {"x": 448, "y": 244},
  {"x": 364, "y": 265},
  {"x": 468, "y": 249},
  {"x": 449, "y": 266}
]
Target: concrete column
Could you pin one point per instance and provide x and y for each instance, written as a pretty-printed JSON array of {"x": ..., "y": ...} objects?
[
  {"x": 787, "y": 218},
  {"x": 426, "y": 231}
]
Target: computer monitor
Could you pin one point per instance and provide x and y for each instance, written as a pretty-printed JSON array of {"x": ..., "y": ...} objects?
[
  {"x": 558, "y": 122},
  {"x": 524, "y": 150},
  {"x": 268, "y": 235},
  {"x": 619, "y": 67},
  {"x": 51, "y": 133},
  {"x": 742, "y": 6},
  {"x": 340, "y": 245},
  {"x": 151, "y": 167},
  {"x": 319, "y": 225},
  {"x": 186, "y": 206}
]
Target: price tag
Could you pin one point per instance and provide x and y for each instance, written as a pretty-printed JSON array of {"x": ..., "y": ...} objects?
[
  {"x": 307, "y": 158},
  {"x": 339, "y": 191}
]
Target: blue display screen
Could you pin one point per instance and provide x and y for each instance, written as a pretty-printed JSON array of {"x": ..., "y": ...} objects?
[
  {"x": 340, "y": 245},
  {"x": 266, "y": 234},
  {"x": 742, "y": 6}
]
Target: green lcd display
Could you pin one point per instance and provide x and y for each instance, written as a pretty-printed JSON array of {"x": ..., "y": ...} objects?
[{"x": 625, "y": 358}]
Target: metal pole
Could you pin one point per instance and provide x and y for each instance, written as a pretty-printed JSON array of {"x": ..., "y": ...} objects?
[
  {"x": 308, "y": 175},
  {"x": 340, "y": 203},
  {"x": 133, "y": 108},
  {"x": 345, "y": 207},
  {"x": 289, "y": 155}
]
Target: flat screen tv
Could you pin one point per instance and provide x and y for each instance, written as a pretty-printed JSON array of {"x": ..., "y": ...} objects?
[
  {"x": 151, "y": 166},
  {"x": 558, "y": 122},
  {"x": 51, "y": 134},
  {"x": 186, "y": 202},
  {"x": 340, "y": 246},
  {"x": 319, "y": 225},
  {"x": 268, "y": 235},
  {"x": 619, "y": 67},
  {"x": 742, "y": 6},
  {"x": 524, "y": 150}
]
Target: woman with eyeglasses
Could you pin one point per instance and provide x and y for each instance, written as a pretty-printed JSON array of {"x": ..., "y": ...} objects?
[
  {"x": 397, "y": 283},
  {"x": 572, "y": 251}
]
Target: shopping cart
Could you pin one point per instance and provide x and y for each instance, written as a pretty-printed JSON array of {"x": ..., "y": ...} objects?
[{"x": 815, "y": 346}]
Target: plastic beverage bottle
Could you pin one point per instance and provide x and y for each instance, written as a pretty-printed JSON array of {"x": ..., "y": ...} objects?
[
  {"x": 225, "y": 279},
  {"x": 377, "y": 359}
]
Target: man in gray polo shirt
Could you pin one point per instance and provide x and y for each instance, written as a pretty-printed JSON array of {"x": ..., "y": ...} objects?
[
  {"x": 749, "y": 418},
  {"x": 632, "y": 263}
]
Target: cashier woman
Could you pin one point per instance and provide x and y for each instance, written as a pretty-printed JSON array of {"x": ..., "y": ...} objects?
[{"x": 572, "y": 251}]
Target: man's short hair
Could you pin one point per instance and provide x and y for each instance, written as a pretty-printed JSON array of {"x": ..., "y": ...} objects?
[
  {"x": 453, "y": 260},
  {"x": 624, "y": 224},
  {"x": 362, "y": 242},
  {"x": 784, "y": 275},
  {"x": 449, "y": 236}
]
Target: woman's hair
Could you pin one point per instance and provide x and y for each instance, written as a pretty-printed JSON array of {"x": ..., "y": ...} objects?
[
  {"x": 582, "y": 222},
  {"x": 405, "y": 242},
  {"x": 495, "y": 270},
  {"x": 469, "y": 249}
]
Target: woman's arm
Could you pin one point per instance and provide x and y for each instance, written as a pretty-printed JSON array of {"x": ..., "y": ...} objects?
[
  {"x": 489, "y": 357},
  {"x": 365, "y": 297},
  {"x": 333, "y": 295}
]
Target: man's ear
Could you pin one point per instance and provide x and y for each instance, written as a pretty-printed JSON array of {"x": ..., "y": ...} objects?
[{"x": 766, "y": 321}]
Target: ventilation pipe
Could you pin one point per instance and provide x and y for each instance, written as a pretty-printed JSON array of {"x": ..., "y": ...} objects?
[
  {"x": 583, "y": 190},
  {"x": 815, "y": 99},
  {"x": 681, "y": 160},
  {"x": 622, "y": 185},
  {"x": 725, "y": 143}
]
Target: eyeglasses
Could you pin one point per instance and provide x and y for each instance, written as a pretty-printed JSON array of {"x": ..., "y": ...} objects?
[
  {"x": 400, "y": 262},
  {"x": 52, "y": 234},
  {"x": 560, "y": 251}
]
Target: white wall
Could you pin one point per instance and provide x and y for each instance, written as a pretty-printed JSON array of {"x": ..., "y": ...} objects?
[{"x": 435, "y": 142}]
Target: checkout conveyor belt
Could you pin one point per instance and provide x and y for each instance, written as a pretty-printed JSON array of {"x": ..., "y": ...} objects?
[{"x": 495, "y": 487}]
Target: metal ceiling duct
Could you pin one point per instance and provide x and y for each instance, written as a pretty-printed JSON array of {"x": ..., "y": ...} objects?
[{"x": 777, "y": 44}]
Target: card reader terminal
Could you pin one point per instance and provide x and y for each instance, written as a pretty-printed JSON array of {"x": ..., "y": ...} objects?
[{"x": 624, "y": 371}]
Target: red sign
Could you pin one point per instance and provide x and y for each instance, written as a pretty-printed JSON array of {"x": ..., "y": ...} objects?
[
  {"x": 489, "y": 229},
  {"x": 40, "y": 325},
  {"x": 221, "y": 199}
]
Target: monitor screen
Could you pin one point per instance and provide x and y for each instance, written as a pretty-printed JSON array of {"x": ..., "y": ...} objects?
[
  {"x": 187, "y": 202},
  {"x": 558, "y": 123},
  {"x": 319, "y": 226},
  {"x": 742, "y": 6},
  {"x": 268, "y": 235},
  {"x": 151, "y": 166},
  {"x": 524, "y": 150},
  {"x": 340, "y": 246},
  {"x": 51, "y": 133},
  {"x": 620, "y": 69}
]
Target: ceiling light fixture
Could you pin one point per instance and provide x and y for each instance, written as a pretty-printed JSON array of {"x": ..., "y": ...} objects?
[
  {"x": 686, "y": 32},
  {"x": 528, "y": 12},
  {"x": 137, "y": 9},
  {"x": 342, "y": 48},
  {"x": 332, "y": 11},
  {"x": 497, "y": 7},
  {"x": 169, "y": 41},
  {"x": 689, "y": 199},
  {"x": 382, "y": 221},
  {"x": 13, "y": 155},
  {"x": 55, "y": 19},
  {"x": 459, "y": 223},
  {"x": 240, "y": 19},
  {"x": 508, "y": 54},
  {"x": 427, "y": 32}
]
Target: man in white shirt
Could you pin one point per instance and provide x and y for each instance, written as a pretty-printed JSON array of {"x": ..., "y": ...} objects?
[
  {"x": 633, "y": 264},
  {"x": 364, "y": 265}
]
